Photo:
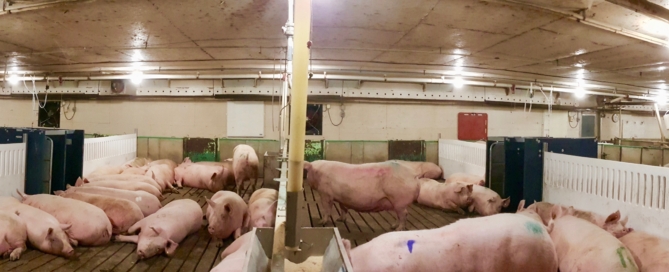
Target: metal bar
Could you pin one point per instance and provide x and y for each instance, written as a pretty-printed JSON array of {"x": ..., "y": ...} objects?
[
  {"x": 644, "y": 7},
  {"x": 659, "y": 121},
  {"x": 298, "y": 111}
]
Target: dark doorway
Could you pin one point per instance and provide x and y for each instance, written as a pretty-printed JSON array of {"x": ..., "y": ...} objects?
[{"x": 49, "y": 116}]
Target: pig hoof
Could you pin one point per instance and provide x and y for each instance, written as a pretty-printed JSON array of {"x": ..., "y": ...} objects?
[
  {"x": 14, "y": 256},
  {"x": 219, "y": 244}
]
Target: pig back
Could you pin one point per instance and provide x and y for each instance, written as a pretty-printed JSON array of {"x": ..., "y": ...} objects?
[
  {"x": 147, "y": 203},
  {"x": 90, "y": 225},
  {"x": 651, "y": 252},
  {"x": 268, "y": 193},
  {"x": 179, "y": 218}
]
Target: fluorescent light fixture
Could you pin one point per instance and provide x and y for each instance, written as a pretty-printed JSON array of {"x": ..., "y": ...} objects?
[
  {"x": 661, "y": 98},
  {"x": 13, "y": 79},
  {"x": 662, "y": 68},
  {"x": 579, "y": 92},
  {"x": 458, "y": 82},
  {"x": 136, "y": 77}
]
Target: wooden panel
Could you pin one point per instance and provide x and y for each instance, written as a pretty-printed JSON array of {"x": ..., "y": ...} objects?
[
  {"x": 406, "y": 150},
  {"x": 472, "y": 126}
]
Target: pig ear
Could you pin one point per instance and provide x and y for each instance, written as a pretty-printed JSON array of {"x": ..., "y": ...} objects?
[
  {"x": 67, "y": 186},
  {"x": 556, "y": 212},
  {"x": 153, "y": 175},
  {"x": 58, "y": 192},
  {"x": 624, "y": 221},
  {"x": 211, "y": 203},
  {"x": 73, "y": 242},
  {"x": 65, "y": 227},
  {"x": 157, "y": 230},
  {"x": 86, "y": 180},
  {"x": 49, "y": 232},
  {"x": 471, "y": 208},
  {"x": 227, "y": 207},
  {"x": 506, "y": 202},
  {"x": 470, "y": 187},
  {"x": 521, "y": 206},
  {"x": 213, "y": 176},
  {"x": 459, "y": 189},
  {"x": 170, "y": 247},
  {"x": 613, "y": 218}
]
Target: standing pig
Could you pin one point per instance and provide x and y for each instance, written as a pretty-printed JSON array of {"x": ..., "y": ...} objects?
[
  {"x": 13, "y": 235},
  {"x": 244, "y": 166},
  {"x": 423, "y": 169},
  {"x": 611, "y": 223},
  {"x": 486, "y": 201},
  {"x": 582, "y": 246},
  {"x": 651, "y": 252},
  {"x": 44, "y": 231},
  {"x": 467, "y": 178},
  {"x": 452, "y": 196},
  {"x": 502, "y": 242},
  {"x": 146, "y": 202},
  {"x": 90, "y": 225},
  {"x": 120, "y": 184},
  {"x": 200, "y": 176},
  {"x": 163, "y": 175},
  {"x": 370, "y": 187},
  {"x": 262, "y": 208},
  {"x": 227, "y": 213},
  {"x": 121, "y": 213},
  {"x": 163, "y": 230}
]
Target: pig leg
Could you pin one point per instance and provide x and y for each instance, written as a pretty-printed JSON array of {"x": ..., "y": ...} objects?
[
  {"x": 16, "y": 253},
  {"x": 127, "y": 238},
  {"x": 327, "y": 203},
  {"x": 344, "y": 212},
  {"x": 401, "y": 218}
]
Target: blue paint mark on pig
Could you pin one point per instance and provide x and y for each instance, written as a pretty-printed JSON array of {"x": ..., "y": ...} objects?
[{"x": 410, "y": 245}]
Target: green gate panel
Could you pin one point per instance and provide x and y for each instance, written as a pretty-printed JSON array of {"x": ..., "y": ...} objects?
[{"x": 201, "y": 149}]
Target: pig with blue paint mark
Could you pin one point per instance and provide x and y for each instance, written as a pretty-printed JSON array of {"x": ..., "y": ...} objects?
[
  {"x": 502, "y": 242},
  {"x": 583, "y": 246},
  {"x": 369, "y": 187}
]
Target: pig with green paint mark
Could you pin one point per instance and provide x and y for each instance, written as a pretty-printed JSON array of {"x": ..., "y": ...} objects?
[
  {"x": 611, "y": 223},
  {"x": 582, "y": 246},
  {"x": 651, "y": 252},
  {"x": 502, "y": 242}
]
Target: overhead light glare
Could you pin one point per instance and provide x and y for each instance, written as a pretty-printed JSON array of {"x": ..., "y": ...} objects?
[
  {"x": 662, "y": 68},
  {"x": 579, "y": 92},
  {"x": 458, "y": 82},
  {"x": 136, "y": 77},
  {"x": 13, "y": 79},
  {"x": 661, "y": 98}
]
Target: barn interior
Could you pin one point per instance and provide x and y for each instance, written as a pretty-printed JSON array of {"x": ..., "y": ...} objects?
[{"x": 524, "y": 93}]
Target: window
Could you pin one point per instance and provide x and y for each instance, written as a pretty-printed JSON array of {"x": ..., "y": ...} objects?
[
  {"x": 49, "y": 116},
  {"x": 314, "y": 119}
]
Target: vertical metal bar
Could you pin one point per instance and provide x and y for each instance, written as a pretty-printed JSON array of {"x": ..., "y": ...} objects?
[
  {"x": 659, "y": 121},
  {"x": 298, "y": 111}
]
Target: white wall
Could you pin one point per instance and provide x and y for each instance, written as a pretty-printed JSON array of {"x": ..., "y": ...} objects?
[
  {"x": 17, "y": 113},
  {"x": 633, "y": 126}
]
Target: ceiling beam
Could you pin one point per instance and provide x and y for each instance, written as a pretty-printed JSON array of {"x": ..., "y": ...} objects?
[{"x": 644, "y": 7}]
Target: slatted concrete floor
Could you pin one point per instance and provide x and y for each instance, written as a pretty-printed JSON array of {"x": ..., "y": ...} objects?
[{"x": 198, "y": 252}]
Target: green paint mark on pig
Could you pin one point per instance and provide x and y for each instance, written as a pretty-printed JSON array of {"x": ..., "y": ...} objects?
[{"x": 534, "y": 228}]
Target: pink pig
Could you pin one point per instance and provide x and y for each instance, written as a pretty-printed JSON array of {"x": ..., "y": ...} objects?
[
  {"x": 44, "y": 231},
  {"x": 147, "y": 203},
  {"x": 234, "y": 255},
  {"x": 164, "y": 230},
  {"x": 610, "y": 223},
  {"x": 486, "y": 201},
  {"x": 13, "y": 235},
  {"x": 200, "y": 176},
  {"x": 467, "y": 178},
  {"x": 149, "y": 180},
  {"x": 262, "y": 208},
  {"x": 244, "y": 166},
  {"x": 226, "y": 213},
  {"x": 502, "y": 242},
  {"x": 121, "y": 213},
  {"x": 121, "y": 184},
  {"x": 423, "y": 169},
  {"x": 651, "y": 252},
  {"x": 452, "y": 196},
  {"x": 108, "y": 170},
  {"x": 163, "y": 175},
  {"x": 90, "y": 225}
]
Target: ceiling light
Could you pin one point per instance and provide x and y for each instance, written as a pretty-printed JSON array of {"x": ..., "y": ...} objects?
[
  {"x": 136, "y": 77},
  {"x": 458, "y": 82},
  {"x": 661, "y": 98},
  {"x": 579, "y": 92},
  {"x": 137, "y": 56},
  {"x": 13, "y": 79},
  {"x": 662, "y": 68}
]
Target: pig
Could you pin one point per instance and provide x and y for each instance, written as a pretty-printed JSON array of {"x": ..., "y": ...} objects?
[
  {"x": 610, "y": 223},
  {"x": 124, "y": 185},
  {"x": 651, "y": 252},
  {"x": 170, "y": 163},
  {"x": 262, "y": 208},
  {"x": 244, "y": 166},
  {"x": 107, "y": 170},
  {"x": 531, "y": 212},
  {"x": 163, "y": 230},
  {"x": 90, "y": 225},
  {"x": 163, "y": 175},
  {"x": 200, "y": 176},
  {"x": 132, "y": 178},
  {"x": 582, "y": 246},
  {"x": 227, "y": 178},
  {"x": 423, "y": 169},
  {"x": 487, "y": 202},
  {"x": 44, "y": 232},
  {"x": 370, "y": 187},
  {"x": 13, "y": 235},
  {"x": 146, "y": 202},
  {"x": 501, "y": 242},
  {"x": 452, "y": 196},
  {"x": 234, "y": 255},
  {"x": 121, "y": 213},
  {"x": 467, "y": 178},
  {"x": 226, "y": 213},
  {"x": 139, "y": 162},
  {"x": 135, "y": 170}
]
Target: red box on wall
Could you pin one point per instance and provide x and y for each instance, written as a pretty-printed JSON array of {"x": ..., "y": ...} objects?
[{"x": 472, "y": 126}]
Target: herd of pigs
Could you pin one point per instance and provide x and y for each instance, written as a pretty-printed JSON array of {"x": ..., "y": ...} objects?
[{"x": 122, "y": 203}]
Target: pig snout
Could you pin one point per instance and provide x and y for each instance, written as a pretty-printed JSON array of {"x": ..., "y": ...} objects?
[
  {"x": 211, "y": 229},
  {"x": 141, "y": 254},
  {"x": 69, "y": 253}
]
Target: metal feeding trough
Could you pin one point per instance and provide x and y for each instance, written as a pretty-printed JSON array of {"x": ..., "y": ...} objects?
[{"x": 322, "y": 251}]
